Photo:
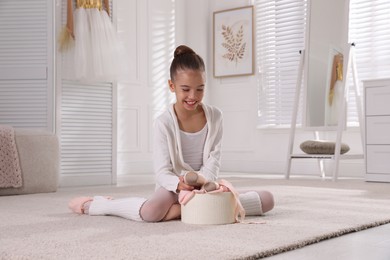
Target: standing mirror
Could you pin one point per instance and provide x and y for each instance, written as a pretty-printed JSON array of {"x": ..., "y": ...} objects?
[{"x": 325, "y": 62}]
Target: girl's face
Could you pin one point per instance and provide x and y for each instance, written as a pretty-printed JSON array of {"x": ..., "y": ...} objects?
[{"x": 188, "y": 86}]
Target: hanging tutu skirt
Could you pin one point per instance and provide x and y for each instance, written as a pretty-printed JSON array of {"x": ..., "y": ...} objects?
[{"x": 97, "y": 55}]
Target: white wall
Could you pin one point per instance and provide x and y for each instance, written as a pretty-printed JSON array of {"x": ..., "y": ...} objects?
[
  {"x": 146, "y": 29},
  {"x": 245, "y": 147}
]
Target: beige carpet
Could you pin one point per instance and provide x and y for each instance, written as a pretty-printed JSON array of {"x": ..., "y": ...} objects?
[{"x": 40, "y": 226}]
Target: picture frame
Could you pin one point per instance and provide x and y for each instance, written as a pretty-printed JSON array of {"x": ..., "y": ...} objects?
[{"x": 233, "y": 44}]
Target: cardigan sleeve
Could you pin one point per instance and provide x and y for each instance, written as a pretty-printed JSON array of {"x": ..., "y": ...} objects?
[
  {"x": 165, "y": 176},
  {"x": 212, "y": 163}
]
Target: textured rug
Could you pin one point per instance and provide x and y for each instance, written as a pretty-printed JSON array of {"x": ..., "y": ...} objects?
[{"x": 39, "y": 226}]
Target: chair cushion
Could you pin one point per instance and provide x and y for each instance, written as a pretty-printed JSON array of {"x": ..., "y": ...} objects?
[{"x": 322, "y": 147}]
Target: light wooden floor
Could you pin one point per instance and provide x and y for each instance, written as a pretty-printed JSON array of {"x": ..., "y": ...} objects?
[{"x": 373, "y": 243}]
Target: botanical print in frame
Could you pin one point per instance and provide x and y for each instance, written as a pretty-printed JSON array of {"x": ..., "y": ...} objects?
[{"x": 233, "y": 42}]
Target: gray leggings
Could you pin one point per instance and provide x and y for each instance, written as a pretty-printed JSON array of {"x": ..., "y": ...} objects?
[{"x": 155, "y": 209}]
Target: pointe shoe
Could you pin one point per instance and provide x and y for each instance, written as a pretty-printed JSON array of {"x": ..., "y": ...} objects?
[
  {"x": 77, "y": 204},
  {"x": 210, "y": 186},
  {"x": 194, "y": 179}
]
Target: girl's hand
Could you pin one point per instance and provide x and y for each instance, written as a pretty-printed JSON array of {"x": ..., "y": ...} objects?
[{"x": 183, "y": 186}]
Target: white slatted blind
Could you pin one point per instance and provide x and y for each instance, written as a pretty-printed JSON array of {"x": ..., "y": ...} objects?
[
  {"x": 23, "y": 103},
  {"x": 369, "y": 28},
  {"x": 86, "y": 128},
  {"x": 26, "y": 85},
  {"x": 280, "y": 32}
]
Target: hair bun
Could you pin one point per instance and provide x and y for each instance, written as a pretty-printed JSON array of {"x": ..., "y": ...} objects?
[
  {"x": 182, "y": 49},
  {"x": 184, "y": 58}
]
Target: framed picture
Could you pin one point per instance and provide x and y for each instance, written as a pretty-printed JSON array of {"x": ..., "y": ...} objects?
[{"x": 233, "y": 42}]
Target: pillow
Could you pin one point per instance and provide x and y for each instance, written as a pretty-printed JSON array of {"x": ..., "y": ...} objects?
[{"x": 322, "y": 147}]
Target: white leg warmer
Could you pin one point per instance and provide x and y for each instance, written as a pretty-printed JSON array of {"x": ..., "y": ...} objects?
[
  {"x": 251, "y": 203},
  {"x": 128, "y": 208}
]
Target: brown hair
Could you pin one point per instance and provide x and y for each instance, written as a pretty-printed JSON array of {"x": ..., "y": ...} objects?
[{"x": 185, "y": 58}]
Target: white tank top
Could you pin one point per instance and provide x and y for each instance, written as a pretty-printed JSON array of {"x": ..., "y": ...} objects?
[{"x": 192, "y": 145}]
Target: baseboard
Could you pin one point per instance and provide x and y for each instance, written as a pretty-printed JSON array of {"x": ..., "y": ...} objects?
[
  {"x": 85, "y": 180},
  {"x": 347, "y": 168}
]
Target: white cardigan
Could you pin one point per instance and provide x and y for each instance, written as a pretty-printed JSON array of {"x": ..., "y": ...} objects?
[{"x": 168, "y": 157}]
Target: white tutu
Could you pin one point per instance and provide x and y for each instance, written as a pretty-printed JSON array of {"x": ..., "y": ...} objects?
[{"x": 97, "y": 54}]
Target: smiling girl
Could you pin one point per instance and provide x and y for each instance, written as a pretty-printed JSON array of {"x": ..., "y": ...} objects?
[{"x": 187, "y": 138}]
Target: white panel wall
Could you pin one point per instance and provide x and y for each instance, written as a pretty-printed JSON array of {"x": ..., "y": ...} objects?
[
  {"x": 132, "y": 90},
  {"x": 148, "y": 31},
  {"x": 246, "y": 148},
  {"x": 143, "y": 95}
]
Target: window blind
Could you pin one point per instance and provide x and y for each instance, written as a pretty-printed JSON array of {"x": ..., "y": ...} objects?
[
  {"x": 369, "y": 29},
  {"x": 280, "y": 35},
  {"x": 280, "y": 30}
]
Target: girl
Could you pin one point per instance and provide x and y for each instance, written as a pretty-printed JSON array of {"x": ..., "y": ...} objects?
[{"x": 187, "y": 138}]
